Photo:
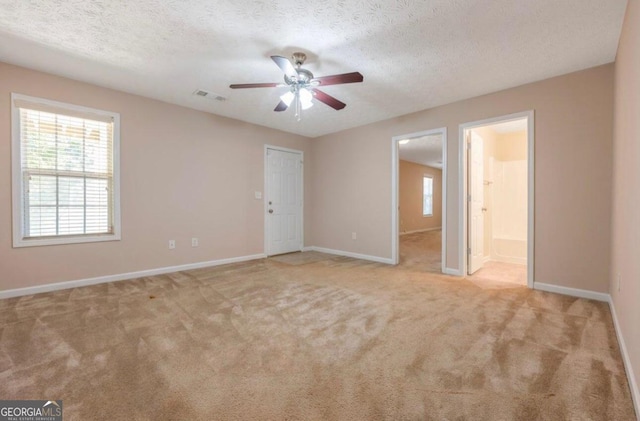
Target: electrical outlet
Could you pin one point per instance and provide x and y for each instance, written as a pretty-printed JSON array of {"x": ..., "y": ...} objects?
[
  {"x": 354, "y": 236},
  {"x": 258, "y": 195},
  {"x": 172, "y": 244},
  {"x": 194, "y": 242}
]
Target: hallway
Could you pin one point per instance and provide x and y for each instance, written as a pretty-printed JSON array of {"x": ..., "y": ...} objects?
[{"x": 422, "y": 251}]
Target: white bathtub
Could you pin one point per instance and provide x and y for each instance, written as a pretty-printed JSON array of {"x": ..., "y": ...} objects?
[{"x": 509, "y": 250}]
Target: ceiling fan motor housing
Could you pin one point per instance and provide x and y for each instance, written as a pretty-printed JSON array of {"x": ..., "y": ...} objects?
[{"x": 304, "y": 77}]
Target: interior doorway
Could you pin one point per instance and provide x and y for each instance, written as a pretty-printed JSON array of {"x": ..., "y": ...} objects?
[
  {"x": 498, "y": 199},
  {"x": 419, "y": 200}
]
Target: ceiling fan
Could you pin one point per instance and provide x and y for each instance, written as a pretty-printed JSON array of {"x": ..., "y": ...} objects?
[{"x": 303, "y": 85}]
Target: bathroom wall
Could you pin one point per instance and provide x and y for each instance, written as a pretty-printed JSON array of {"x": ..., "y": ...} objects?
[
  {"x": 509, "y": 198},
  {"x": 489, "y": 141},
  {"x": 505, "y": 195}
]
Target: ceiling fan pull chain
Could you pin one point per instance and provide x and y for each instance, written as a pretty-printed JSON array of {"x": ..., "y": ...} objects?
[{"x": 298, "y": 111}]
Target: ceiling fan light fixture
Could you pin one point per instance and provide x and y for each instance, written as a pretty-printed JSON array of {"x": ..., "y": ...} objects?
[
  {"x": 305, "y": 95},
  {"x": 287, "y": 98},
  {"x": 305, "y": 99}
]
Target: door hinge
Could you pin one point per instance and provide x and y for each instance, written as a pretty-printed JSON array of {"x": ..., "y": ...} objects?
[
  {"x": 468, "y": 145},
  {"x": 468, "y": 198},
  {"x": 469, "y": 250}
]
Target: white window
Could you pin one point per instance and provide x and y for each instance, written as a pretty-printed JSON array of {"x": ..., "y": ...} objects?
[
  {"x": 65, "y": 173},
  {"x": 427, "y": 195}
]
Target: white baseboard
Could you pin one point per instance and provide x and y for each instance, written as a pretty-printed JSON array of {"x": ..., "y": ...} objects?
[
  {"x": 18, "y": 292},
  {"x": 635, "y": 390},
  {"x": 601, "y": 296},
  {"x": 350, "y": 254},
  {"x": 422, "y": 230},
  {"x": 574, "y": 292},
  {"x": 453, "y": 272}
]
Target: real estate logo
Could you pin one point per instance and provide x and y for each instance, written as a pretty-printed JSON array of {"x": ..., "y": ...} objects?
[{"x": 30, "y": 410}]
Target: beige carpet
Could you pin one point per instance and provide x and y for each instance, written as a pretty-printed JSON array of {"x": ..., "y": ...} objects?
[
  {"x": 422, "y": 251},
  {"x": 330, "y": 339}
]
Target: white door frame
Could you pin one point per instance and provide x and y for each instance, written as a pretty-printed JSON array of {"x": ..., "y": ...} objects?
[
  {"x": 462, "y": 180},
  {"x": 395, "y": 169},
  {"x": 267, "y": 234}
]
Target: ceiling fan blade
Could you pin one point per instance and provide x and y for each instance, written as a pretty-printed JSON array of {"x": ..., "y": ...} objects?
[
  {"x": 328, "y": 99},
  {"x": 342, "y": 78},
  {"x": 281, "y": 106},
  {"x": 285, "y": 65},
  {"x": 254, "y": 85}
]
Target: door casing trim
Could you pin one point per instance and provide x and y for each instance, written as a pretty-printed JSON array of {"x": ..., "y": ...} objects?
[
  {"x": 395, "y": 200},
  {"x": 462, "y": 188}
]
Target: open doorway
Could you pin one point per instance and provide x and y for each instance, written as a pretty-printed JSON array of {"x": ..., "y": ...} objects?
[
  {"x": 498, "y": 188},
  {"x": 420, "y": 200}
]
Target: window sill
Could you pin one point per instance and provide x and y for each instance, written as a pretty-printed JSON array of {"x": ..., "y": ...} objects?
[{"x": 35, "y": 242}]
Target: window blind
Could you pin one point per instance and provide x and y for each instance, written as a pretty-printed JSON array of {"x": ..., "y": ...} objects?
[{"x": 67, "y": 173}]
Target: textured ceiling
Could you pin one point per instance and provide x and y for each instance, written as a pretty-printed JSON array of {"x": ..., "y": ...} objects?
[
  {"x": 510, "y": 126},
  {"x": 413, "y": 54},
  {"x": 425, "y": 150}
]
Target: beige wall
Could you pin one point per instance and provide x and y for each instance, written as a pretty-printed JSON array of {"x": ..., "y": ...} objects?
[
  {"x": 184, "y": 174},
  {"x": 348, "y": 175},
  {"x": 573, "y": 129},
  {"x": 509, "y": 201},
  {"x": 410, "y": 193},
  {"x": 626, "y": 191}
]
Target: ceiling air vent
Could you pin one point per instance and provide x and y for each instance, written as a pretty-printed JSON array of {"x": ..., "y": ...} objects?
[{"x": 209, "y": 95}]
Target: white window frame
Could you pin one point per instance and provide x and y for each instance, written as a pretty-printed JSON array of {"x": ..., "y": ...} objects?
[
  {"x": 427, "y": 215},
  {"x": 18, "y": 185}
]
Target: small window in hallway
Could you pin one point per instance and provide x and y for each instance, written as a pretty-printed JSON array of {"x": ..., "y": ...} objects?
[{"x": 427, "y": 196}]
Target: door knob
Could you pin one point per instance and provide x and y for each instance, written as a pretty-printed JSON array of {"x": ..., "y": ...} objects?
[{"x": 270, "y": 210}]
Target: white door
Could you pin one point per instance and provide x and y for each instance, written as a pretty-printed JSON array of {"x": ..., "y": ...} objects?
[
  {"x": 284, "y": 202},
  {"x": 476, "y": 202}
]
